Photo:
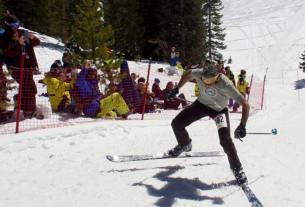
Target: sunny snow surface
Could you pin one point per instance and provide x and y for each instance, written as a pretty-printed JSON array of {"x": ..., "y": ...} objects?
[{"x": 63, "y": 167}]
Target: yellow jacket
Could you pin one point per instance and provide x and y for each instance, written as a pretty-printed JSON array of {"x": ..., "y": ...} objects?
[
  {"x": 196, "y": 90},
  {"x": 242, "y": 88},
  {"x": 57, "y": 89}
]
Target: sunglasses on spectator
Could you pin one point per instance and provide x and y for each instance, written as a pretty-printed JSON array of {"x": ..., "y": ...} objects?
[
  {"x": 209, "y": 80},
  {"x": 14, "y": 24}
]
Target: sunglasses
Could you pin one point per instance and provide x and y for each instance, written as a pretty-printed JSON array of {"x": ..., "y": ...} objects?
[
  {"x": 209, "y": 80},
  {"x": 14, "y": 24}
]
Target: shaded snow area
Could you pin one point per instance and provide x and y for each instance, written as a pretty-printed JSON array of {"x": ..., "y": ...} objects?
[{"x": 66, "y": 167}]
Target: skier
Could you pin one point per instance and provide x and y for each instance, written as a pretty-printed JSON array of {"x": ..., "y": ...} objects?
[{"x": 215, "y": 91}]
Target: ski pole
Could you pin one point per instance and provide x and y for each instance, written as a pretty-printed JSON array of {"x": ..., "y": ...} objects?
[
  {"x": 273, "y": 131},
  {"x": 182, "y": 99}
]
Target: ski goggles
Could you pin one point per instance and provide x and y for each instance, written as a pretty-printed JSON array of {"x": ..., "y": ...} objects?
[
  {"x": 209, "y": 80},
  {"x": 13, "y": 24}
]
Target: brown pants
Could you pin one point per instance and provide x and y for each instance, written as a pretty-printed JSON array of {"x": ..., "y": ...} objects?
[{"x": 197, "y": 111}]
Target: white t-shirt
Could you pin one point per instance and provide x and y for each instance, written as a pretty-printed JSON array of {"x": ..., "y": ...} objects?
[{"x": 218, "y": 95}]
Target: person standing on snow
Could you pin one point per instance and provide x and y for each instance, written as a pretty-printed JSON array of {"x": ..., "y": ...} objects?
[
  {"x": 215, "y": 91},
  {"x": 12, "y": 42},
  {"x": 231, "y": 77},
  {"x": 173, "y": 53}
]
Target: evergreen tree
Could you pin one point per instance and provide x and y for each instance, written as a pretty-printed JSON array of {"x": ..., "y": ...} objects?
[
  {"x": 182, "y": 26},
  {"x": 93, "y": 38},
  {"x": 33, "y": 17},
  {"x": 150, "y": 10},
  {"x": 302, "y": 64},
  {"x": 124, "y": 18},
  {"x": 214, "y": 34},
  {"x": 2, "y": 10}
]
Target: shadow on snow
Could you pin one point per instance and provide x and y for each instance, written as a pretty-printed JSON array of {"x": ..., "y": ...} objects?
[
  {"x": 181, "y": 188},
  {"x": 299, "y": 84}
]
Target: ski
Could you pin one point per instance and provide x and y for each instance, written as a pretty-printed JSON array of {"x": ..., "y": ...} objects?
[
  {"x": 130, "y": 158},
  {"x": 251, "y": 196}
]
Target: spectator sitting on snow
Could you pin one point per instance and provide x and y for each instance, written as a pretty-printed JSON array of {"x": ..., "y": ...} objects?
[
  {"x": 130, "y": 93},
  {"x": 149, "y": 98},
  {"x": 58, "y": 91},
  {"x": 142, "y": 79},
  {"x": 56, "y": 64},
  {"x": 134, "y": 77},
  {"x": 92, "y": 103},
  {"x": 156, "y": 89},
  {"x": 173, "y": 104}
]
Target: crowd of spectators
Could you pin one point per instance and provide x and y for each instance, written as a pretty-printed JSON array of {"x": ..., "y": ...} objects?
[{"x": 77, "y": 90}]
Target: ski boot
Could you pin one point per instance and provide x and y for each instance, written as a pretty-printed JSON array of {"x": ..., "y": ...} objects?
[
  {"x": 240, "y": 176},
  {"x": 176, "y": 151}
]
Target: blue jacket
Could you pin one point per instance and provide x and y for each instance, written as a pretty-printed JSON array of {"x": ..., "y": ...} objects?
[
  {"x": 87, "y": 89},
  {"x": 175, "y": 60}
]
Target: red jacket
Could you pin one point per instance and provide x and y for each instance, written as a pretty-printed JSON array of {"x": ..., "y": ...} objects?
[
  {"x": 12, "y": 51},
  {"x": 158, "y": 93}
]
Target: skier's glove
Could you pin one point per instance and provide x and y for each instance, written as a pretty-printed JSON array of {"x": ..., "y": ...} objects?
[
  {"x": 240, "y": 131},
  {"x": 172, "y": 94}
]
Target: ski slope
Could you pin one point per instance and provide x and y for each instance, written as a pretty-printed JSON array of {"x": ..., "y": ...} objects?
[{"x": 67, "y": 167}]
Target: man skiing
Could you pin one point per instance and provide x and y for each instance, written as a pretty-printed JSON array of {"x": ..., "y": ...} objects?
[{"x": 214, "y": 92}]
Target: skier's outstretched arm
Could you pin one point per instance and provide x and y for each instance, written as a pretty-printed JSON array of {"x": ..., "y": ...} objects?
[
  {"x": 185, "y": 78},
  {"x": 245, "y": 111}
]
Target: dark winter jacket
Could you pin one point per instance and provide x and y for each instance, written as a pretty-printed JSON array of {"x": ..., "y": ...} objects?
[
  {"x": 130, "y": 93},
  {"x": 89, "y": 90},
  {"x": 12, "y": 51},
  {"x": 158, "y": 93}
]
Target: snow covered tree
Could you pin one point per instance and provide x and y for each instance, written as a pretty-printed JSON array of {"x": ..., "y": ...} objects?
[
  {"x": 302, "y": 64},
  {"x": 215, "y": 33},
  {"x": 93, "y": 38}
]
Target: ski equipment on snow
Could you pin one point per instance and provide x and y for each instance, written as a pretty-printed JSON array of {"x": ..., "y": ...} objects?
[
  {"x": 251, "y": 196},
  {"x": 130, "y": 158}
]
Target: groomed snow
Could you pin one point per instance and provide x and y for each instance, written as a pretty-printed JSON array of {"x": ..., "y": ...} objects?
[{"x": 67, "y": 167}]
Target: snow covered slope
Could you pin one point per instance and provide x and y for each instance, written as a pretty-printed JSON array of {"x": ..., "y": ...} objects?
[{"x": 67, "y": 166}]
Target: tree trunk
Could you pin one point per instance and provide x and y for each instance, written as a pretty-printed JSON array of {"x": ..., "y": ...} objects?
[{"x": 182, "y": 29}]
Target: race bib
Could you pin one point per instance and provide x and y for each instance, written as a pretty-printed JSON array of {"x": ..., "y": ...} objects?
[{"x": 220, "y": 121}]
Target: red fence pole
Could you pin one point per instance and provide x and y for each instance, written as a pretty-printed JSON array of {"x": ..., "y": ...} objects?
[
  {"x": 263, "y": 89},
  {"x": 250, "y": 88},
  {"x": 20, "y": 87},
  {"x": 147, "y": 80}
]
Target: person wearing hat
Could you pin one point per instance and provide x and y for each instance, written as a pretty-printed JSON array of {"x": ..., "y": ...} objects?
[
  {"x": 173, "y": 53},
  {"x": 242, "y": 87},
  {"x": 12, "y": 42},
  {"x": 156, "y": 89},
  {"x": 231, "y": 77},
  {"x": 220, "y": 66},
  {"x": 215, "y": 91}
]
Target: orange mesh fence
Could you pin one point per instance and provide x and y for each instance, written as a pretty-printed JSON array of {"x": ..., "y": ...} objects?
[
  {"x": 69, "y": 97},
  {"x": 256, "y": 94}
]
